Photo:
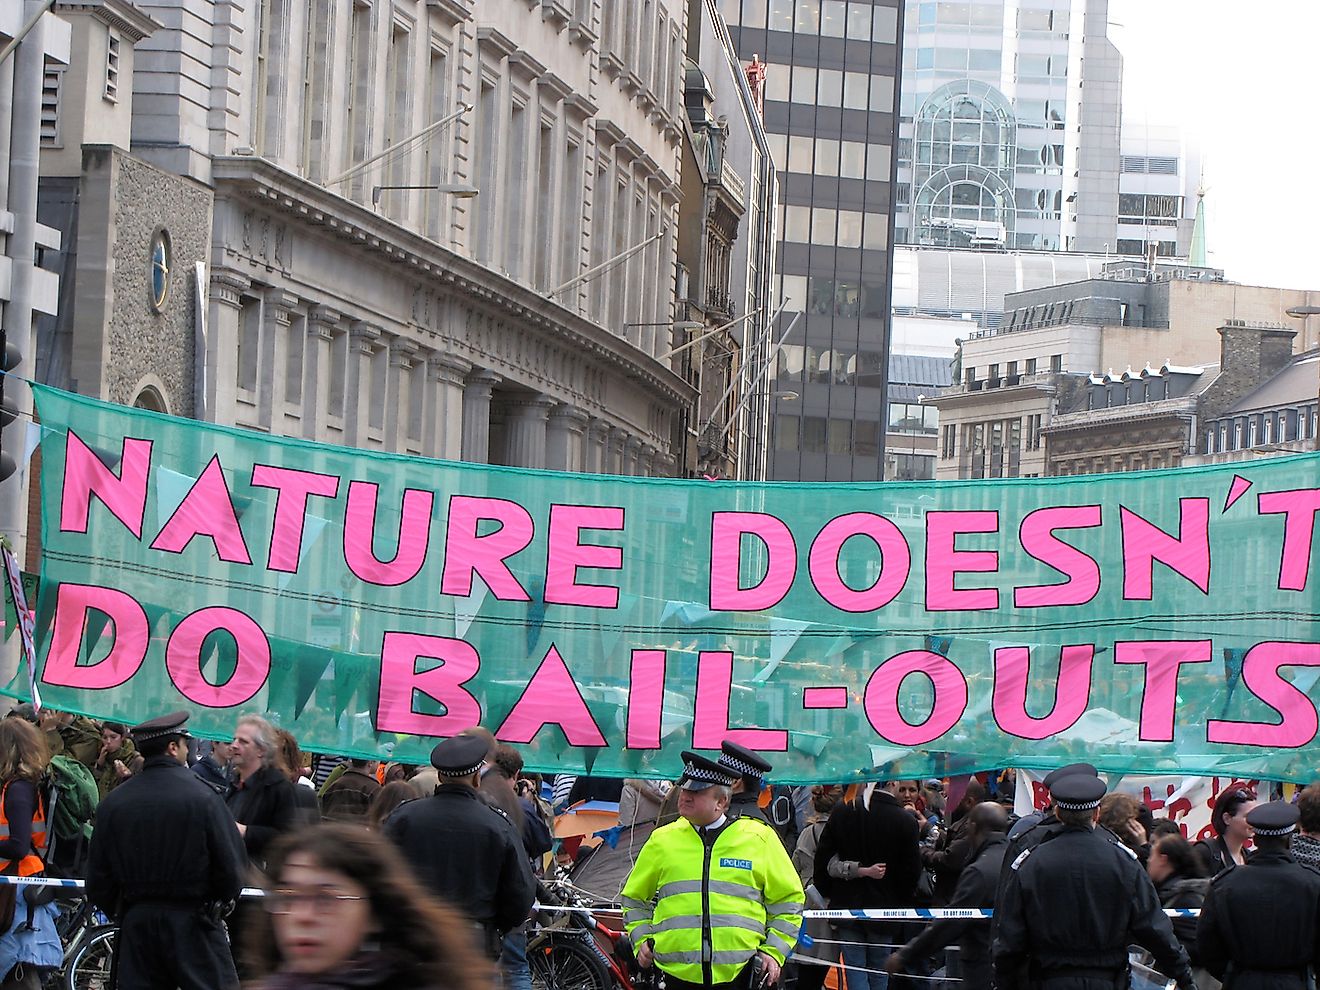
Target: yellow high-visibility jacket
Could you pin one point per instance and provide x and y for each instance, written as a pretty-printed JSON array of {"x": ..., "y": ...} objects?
[{"x": 709, "y": 906}]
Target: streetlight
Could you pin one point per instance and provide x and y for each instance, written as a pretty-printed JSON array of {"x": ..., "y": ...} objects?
[
  {"x": 1303, "y": 313},
  {"x": 461, "y": 191}
]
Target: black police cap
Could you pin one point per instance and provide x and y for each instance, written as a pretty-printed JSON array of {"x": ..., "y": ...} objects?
[
  {"x": 700, "y": 772},
  {"x": 459, "y": 756},
  {"x": 742, "y": 761},
  {"x": 174, "y": 724},
  {"x": 1056, "y": 775},
  {"x": 1275, "y": 818},
  {"x": 1078, "y": 792}
]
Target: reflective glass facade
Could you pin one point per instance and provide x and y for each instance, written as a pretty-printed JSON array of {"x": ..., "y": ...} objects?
[{"x": 831, "y": 103}]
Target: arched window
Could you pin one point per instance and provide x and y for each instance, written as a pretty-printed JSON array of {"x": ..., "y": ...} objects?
[
  {"x": 149, "y": 398},
  {"x": 965, "y": 138}
]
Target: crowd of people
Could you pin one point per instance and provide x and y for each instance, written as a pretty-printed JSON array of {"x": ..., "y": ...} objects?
[{"x": 405, "y": 876}]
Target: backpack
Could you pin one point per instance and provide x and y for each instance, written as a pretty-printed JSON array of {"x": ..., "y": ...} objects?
[{"x": 73, "y": 799}]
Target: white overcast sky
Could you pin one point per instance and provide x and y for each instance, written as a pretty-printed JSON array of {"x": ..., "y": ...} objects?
[{"x": 1243, "y": 80}]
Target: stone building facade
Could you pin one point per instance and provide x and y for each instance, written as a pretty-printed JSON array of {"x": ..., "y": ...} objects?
[{"x": 435, "y": 227}]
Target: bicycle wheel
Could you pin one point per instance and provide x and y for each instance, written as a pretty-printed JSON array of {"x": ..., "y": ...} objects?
[
  {"x": 566, "y": 964},
  {"x": 89, "y": 969}
]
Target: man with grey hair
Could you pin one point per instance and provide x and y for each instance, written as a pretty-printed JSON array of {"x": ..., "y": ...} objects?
[{"x": 263, "y": 801}]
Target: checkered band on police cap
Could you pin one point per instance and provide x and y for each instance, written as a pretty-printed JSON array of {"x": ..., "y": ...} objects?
[
  {"x": 1078, "y": 792},
  {"x": 707, "y": 771},
  {"x": 1273, "y": 818}
]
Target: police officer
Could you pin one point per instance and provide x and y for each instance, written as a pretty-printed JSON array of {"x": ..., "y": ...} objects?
[
  {"x": 712, "y": 901},
  {"x": 749, "y": 770},
  {"x": 463, "y": 849},
  {"x": 1073, "y": 905},
  {"x": 1260, "y": 924},
  {"x": 167, "y": 863}
]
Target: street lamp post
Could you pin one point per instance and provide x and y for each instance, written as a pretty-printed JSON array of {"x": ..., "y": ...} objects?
[{"x": 1304, "y": 313}]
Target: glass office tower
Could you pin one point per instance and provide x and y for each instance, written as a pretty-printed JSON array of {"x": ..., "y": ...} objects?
[{"x": 831, "y": 104}]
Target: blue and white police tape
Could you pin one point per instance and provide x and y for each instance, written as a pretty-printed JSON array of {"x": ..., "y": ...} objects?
[
  {"x": 854, "y": 914},
  {"x": 80, "y": 884}
]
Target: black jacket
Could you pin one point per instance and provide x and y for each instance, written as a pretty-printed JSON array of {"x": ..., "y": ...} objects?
[
  {"x": 975, "y": 889},
  {"x": 1070, "y": 909},
  {"x": 881, "y": 832},
  {"x": 1184, "y": 892},
  {"x": 348, "y": 798},
  {"x": 468, "y": 853},
  {"x": 1260, "y": 924},
  {"x": 267, "y": 805},
  {"x": 744, "y": 805},
  {"x": 213, "y": 775},
  {"x": 164, "y": 835}
]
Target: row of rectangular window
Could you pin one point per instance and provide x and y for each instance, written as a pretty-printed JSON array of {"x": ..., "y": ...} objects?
[
  {"x": 819, "y": 435},
  {"x": 835, "y": 297},
  {"x": 1011, "y": 371},
  {"x": 826, "y": 18},
  {"x": 811, "y": 86},
  {"x": 829, "y": 157},
  {"x": 831, "y": 228},
  {"x": 1277, "y": 426}
]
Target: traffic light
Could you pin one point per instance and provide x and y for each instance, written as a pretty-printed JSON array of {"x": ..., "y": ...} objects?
[{"x": 10, "y": 358}]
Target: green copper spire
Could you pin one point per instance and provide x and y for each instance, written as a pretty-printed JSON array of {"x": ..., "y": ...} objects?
[{"x": 1197, "y": 254}]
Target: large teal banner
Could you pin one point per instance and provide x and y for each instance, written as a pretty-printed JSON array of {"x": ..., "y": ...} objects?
[{"x": 1162, "y": 622}]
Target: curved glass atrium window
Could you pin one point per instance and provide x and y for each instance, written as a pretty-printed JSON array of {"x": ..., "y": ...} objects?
[{"x": 965, "y": 143}]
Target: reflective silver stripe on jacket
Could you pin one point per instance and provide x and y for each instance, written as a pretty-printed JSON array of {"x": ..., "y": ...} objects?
[
  {"x": 716, "y": 887},
  {"x": 726, "y": 958},
  {"x": 692, "y": 922},
  {"x": 787, "y": 907}
]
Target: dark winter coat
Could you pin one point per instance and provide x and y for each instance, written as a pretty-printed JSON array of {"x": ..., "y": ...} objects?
[
  {"x": 348, "y": 798},
  {"x": 1260, "y": 924},
  {"x": 880, "y": 832},
  {"x": 267, "y": 804},
  {"x": 1070, "y": 909},
  {"x": 1184, "y": 892},
  {"x": 975, "y": 889},
  {"x": 163, "y": 835},
  {"x": 468, "y": 853}
]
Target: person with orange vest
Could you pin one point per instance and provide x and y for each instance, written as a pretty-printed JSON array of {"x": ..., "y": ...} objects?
[{"x": 23, "y": 760}]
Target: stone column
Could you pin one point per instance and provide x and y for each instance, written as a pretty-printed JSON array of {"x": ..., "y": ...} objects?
[
  {"x": 445, "y": 375},
  {"x": 274, "y": 357},
  {"x": 217, "y": 390},
  {"x": 398, "y": 396},
  {"x": 598, "y": 434},
  {"x": 564, "y": 439},
  {"x": 632, "y": 449},
  {"x": 476, "y": 415},
  {"x": 363, "y": 339},
  {"x": 614, "y": 451},
  {"x": 527, "y": 427},
  {"x": 321, "y": 326},
  {"x": 646, "y": 461},
  {"x": 665, "y": 465}
]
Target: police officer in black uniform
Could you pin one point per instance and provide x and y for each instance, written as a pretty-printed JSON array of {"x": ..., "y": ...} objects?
[
  {"x": 749, "y": 768},
  {"x": 1074, "y": 903},
  {"x": 463, "y": 849},
  {"x": 1260, "y": 924},
  {"x": 167, "y": 863}
]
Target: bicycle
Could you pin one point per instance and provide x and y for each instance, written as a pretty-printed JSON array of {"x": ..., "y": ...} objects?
[
  {"x": 88, "y": 939},
  {"x": 575, "y": 950}
]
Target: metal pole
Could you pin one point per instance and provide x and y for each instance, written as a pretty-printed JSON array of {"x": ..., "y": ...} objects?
[
  {"x": 593, "y": 272},
  {"x": 23, "y": 31},
  {"x": 752, "y": 385},
  {"x": 395, "y": 149}
]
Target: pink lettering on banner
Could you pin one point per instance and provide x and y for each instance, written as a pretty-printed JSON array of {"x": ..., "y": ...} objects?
[
  {"x": 129, "y": 631},
  {"x": 468, "y": 553},
  {"x": 944, "y": 562},
  {"x": 1072, "y": 691},
  {"x": 1163, "y": 660},
  {"x": 85, "y": 475},
  {"x": 710, "y": 713},
  {"x": 1298, "y": 508},
  {"x": 1082, "y": 571},
  {"x": 565, "y": 553},
  {"x": 399, "y": 678},
  {"x": 1260, "y": 675},
  {"x": 207, "y": 510},
  {"x": 183, "y": 657},
  {"x": 1187, "y": 554},
  {"x": 895, "y": 562},
  {"x": 294, "y": 488},
  {"x": 360, "y": 535},
  {"x": 881, "y": 698},
  {"x": 726, "y": 532},
  {"x": 551, "y": 698},
  {"x": 646, "y": 693}
]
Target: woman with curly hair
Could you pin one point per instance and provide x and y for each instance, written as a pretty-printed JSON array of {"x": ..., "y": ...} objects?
[{"x": 342, "y": 911}]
